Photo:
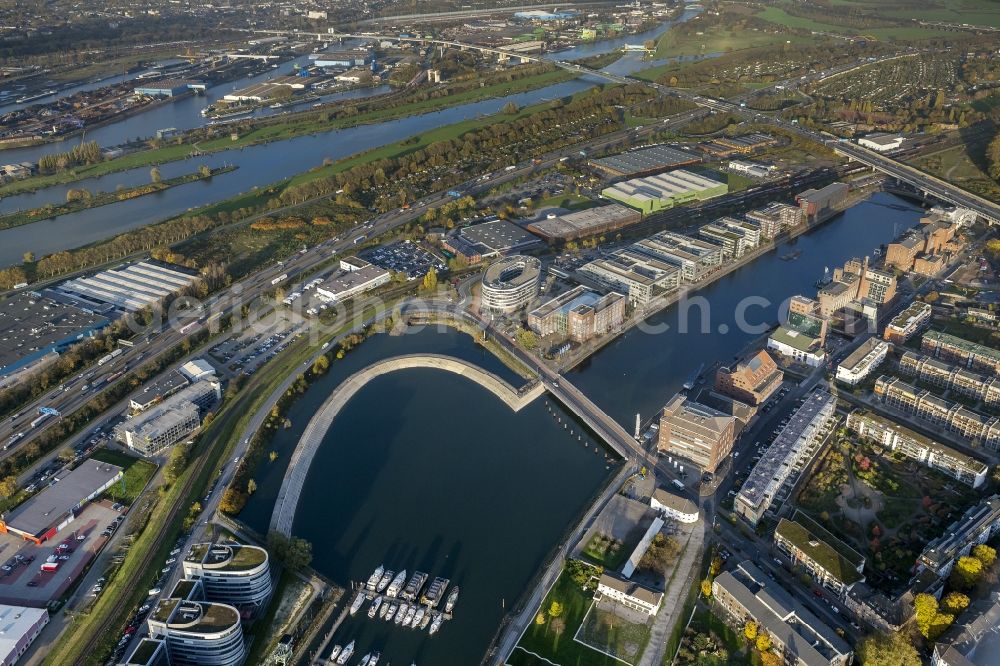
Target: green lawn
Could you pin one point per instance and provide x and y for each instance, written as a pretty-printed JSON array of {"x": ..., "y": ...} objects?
[
  {"x": 715, "y": 40},
  {"x": 137, "y": 473},
  {"x": 606, "y": 552},
  {"x": 553, "y": 640}
]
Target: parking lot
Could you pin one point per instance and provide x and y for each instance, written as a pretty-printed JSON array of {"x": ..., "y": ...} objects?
[
  {"x": 26, "y": 584},
  {"x": 254, "y": 348},
  {"x": 404, "y": 257}
]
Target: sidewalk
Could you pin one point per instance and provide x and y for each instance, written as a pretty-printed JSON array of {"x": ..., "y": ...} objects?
[{"x": 672, "y": 606}]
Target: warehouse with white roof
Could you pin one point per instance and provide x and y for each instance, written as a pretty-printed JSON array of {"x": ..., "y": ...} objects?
[
  {"x": 665, "y": 190},
  {"x": 130, "y": 288}
]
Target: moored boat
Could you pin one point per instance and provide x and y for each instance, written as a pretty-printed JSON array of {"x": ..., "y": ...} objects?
[
  {"x": 392, "y": 612},
  {"x": 365, "y": 659},
  {"x": 435, "y": 592},
  {"x": 384, "y": 581},
  {"x": 375, "y": 578},
  {"x": 411, "y": 612},
  {"x": 401, "y": 613},
  {"x": 452, "y": 598},
  {"x": 374, "y": 607},
  {"x": 436, "y": 624},
  {"x": 418, "y": 617},
  {"x": 396, "y": 585},
  {"x": 335, "y": 653},
  {"x": 346, "y": 654},
  {"x": 359, "y": 601}
]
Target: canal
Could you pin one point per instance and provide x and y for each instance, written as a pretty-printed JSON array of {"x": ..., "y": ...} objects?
[
  {"x": 258, "y": 165},
  {"x": 425, "y": 470}
]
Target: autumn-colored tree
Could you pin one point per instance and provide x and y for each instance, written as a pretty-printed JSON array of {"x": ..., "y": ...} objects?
[
  {"x": 8, "y": 487},
  {"x": 540, "y": 618},
  {"x": 232, "y": 501},
  {"x": 555, "y": 609},
  {"x": 251, "y": 487},
  {"x": 955, "y": 603},
  {"x": 763, "y": 641},
  {"x": 985, "y": 554},
  {"x": 968, "y": 570},
  {"x": 706, "y": 588},
  {"x": 887, "y": 650},
  {"x": 930, "y": 621},
  {"x": 750, "y": 630},
  {"x": 771, "y": 659}
]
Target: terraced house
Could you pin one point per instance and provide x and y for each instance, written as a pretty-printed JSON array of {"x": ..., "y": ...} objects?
[
  {"x": 831, "y": 563},
  {"x": 958, "y": 350},
  {"x": 801, "y": 638},
  {"x": 913, "y": 445}
]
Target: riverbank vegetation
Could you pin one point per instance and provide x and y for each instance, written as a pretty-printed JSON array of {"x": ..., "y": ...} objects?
[{"x": 81, "y": 199}]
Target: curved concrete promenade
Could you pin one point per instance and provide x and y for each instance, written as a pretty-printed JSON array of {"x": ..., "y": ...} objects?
[{"x": 315, "y": 432}]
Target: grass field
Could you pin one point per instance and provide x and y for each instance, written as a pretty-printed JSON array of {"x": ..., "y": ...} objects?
[
  {"x": 955, "y": 165},
  {"x": 779, "y": 16},
  {"x": 715, "y": 40},
  {"x": 137, "y": 473},
  {"x": 553, "y": 640}
]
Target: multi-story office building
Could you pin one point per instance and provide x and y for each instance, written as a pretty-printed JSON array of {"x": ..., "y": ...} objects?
[
  {"x": 579, "y": 313},
  {"x": 915, "y": 446},
  {"x": 855, "y": 281},
  {"x": 947, "y": 376},
  {"x": 832, "y": 563},
  {"x": 957, "y": 350},
  {"x": 775, "y": 218},
  {"x": 862, "y": 361},
  {"x": 823, "y": 202},
  {"x": 198, "y": 633},
  {"x": 977, "y": 525},
  {"x": 969, "y": 424},
  {"x": 640, "y": 277},
  {"x": 908, "y": 323},
  {"x": 171, "y": 420},
  {"x": 356, "y": 276},
  {"x": 696, "y": 432},
  {"x": 510, "y": 284},
  {"x": 794, "y": 446},
  {"x": 733, "y": 244},
  {"x": 801, "y": 638},
  {"x": 748, "y": 230},
  {"x": 233, "y": 574},
  {"x": 751, "y": 381}
]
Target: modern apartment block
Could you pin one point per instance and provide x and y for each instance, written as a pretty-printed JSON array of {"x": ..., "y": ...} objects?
[
  {"x": 977, "y": 525},
  {"x": 579, "y": 313},
  {"x": 775, "y": 218},
  {"x": 792, "y": 449},
  {"x": 908, "y": 323},
  {"x": 733, "y": 244},
  {"x": 801, "y": 638},
  {"x": 751, "y": 381},
  {"x": 197, "y": 633},
  {"x": 170, "y": 421},
  {"x": 894, "y": 437},
  {"x": 696, "y": 432},
  {"x": 748, "y": 230},
  {"x": 233, "y": 574},
  {"x": 694, "y": 258},
  {"x": 938, "y": 411},
  {"x": 947, "y": 376},
  {"x": 862, "y": 361},
  {"x": 639, "y": 277},
  {"x": 832, "y": 563},
  {"x": 957, "y": 350}
]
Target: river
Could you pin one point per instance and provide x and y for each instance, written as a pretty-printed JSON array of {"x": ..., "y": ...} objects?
[
  {"x": 259, "y": 165},
  {"x": 425, "y": 470}
]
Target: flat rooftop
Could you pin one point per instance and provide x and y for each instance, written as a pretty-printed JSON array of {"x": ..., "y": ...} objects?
[
  {"x": 37, "y": 514},
  {"x": 586, "y": 222},
  {"x": 130, "y": 288},
  {"x": 646, "y": 160},
  {"x": 497, "y": 236},
  {"x": 32, "y": 326}
]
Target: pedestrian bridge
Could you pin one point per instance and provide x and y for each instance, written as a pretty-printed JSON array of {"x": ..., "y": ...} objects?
[{"x": 315, "y": 432}]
